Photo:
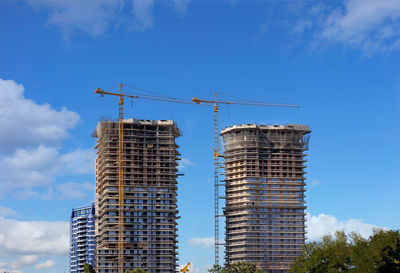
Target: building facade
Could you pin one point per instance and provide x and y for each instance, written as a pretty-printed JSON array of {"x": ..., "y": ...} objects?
[
  {"x": 150, "y": 195},
  {"x": 265, "y": 186},
  {"x": 81, "y": 238}
]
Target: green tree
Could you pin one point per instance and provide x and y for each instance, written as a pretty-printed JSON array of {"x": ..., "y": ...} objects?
[
  {"x": 390, "y": 259},
  {"x": 238, "y": 267},
  {"x": 329, "y": 255},
  {"x": 137, "y": 270},
  {"x": 217, "y": 269},
  {"x": 244, "y": 267},
  {"x": 87, "y": 268},
  {"x": 351, "y": 253}
]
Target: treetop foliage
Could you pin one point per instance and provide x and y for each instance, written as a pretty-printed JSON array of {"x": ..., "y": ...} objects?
[
  {"x": 87, "y": 268},
  {"x": 137, "y": 270},
  {"x": 341, "y": 253},
  {"x": 239, "y": 267}
]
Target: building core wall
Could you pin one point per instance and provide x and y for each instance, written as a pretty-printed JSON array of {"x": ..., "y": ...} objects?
[
  {"x": 265, "y": 185},
  {"x": 150, "y": 195}
]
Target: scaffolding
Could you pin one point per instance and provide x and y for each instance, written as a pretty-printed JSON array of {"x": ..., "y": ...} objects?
[
  {"x": 265, "y": 186},
  {"x": 149, "y": 162}
]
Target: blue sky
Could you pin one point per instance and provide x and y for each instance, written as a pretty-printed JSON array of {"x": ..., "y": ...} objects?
[{"x": 338, "y": 60}]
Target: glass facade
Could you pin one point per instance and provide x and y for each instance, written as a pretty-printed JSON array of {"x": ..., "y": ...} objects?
[{"x": 81, "y": 238}]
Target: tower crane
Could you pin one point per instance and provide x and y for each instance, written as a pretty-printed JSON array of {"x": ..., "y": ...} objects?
[
  {"x": 122, "y": 95},
  {"x": 215, "y": 103},
  {"x": 186, "y": 268}
]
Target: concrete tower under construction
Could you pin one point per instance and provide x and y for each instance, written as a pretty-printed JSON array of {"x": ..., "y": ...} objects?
[
  {"x": 264, "y": 182},
  {"x": 150, "y": 195}
]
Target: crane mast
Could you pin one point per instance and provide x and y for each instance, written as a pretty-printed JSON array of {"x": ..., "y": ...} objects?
[
  {"x": 216, "y": 180},
  {"x": 121, "y": 181}
]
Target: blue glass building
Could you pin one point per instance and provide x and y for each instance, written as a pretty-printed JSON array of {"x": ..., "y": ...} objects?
[{"x": 81, "y": 238}]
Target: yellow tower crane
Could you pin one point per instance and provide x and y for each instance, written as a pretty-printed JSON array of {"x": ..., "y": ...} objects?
[
  {"x": 215, "y": 103},
  {"x": 186, "y": 268},
  {"x": 120, "y": 161}
]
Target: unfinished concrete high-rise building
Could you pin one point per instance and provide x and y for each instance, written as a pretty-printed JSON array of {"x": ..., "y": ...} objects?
[
  {"x": 150, "y": 195},
  {"x": 264, "y": 182}
]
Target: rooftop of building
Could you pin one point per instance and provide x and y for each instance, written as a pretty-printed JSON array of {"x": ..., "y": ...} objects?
[
  {"x": 296, "y": 127},
  {"x": 160, "y": 122},
  {"x": 84, "y": 210}
]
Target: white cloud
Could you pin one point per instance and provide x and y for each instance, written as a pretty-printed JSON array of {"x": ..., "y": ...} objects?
[
  {"x": 27, "y": 123},
  {"x": 66, "y": 191},
  {"x": 180, "y": 6},
  {"x": 23, "y": 261},
  {"x": 33, "y": 237},
  {"x": 27, "y": 169},
  {"x": 10, "y": 271},
  {"x": 6, "y": 212},
  {"x": 143, "y": 14},
  {"x": 74, "y": 190},
  {"x": 30, "y": 155},
  {"x": 205, "y": 242},
  {"x": 46, "y": 264},
  {"x": 77, "y": 162},
  {"x": 369, "y": 25},
  {"x": 184, "y": 162},
  {"x": 24, "y": 194},
  {"x": 315, "y": 183},
  {"x": 92, "y": 17},
  {"x": 324, "y": 224},
  {"x": 95, "y": 17},
  {"x": 302, "y": 26}
]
